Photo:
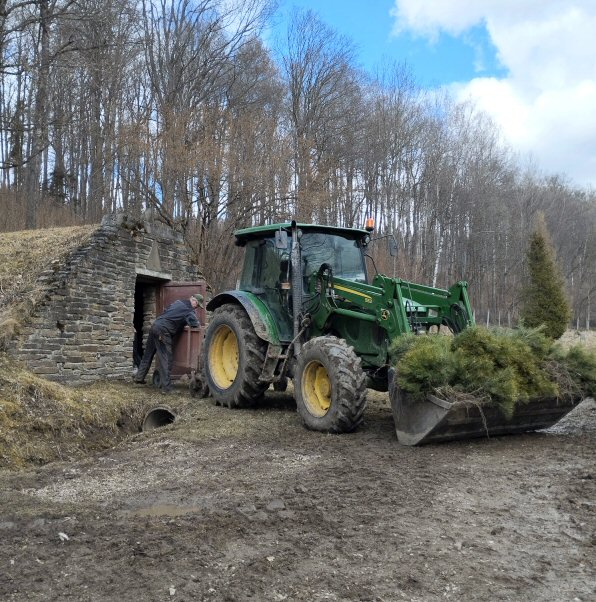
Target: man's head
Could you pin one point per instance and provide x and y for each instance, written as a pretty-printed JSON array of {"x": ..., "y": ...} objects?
[{"x": 196, "y": 300}]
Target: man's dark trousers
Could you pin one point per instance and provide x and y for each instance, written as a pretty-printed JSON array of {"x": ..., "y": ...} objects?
[{"x": 159, "y": 341}]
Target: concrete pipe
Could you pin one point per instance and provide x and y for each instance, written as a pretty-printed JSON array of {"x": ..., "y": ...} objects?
[{"x": 158, "y": 416}]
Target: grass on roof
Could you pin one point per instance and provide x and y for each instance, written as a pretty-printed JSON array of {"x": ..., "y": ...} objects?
[{"x": 24, "y": 256}]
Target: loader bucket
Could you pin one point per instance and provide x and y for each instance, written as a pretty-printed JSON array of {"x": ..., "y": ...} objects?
[{"x": 435, "y": 420}]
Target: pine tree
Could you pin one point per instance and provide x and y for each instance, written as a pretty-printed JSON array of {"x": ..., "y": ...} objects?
[{"x": 543, "y": 298}]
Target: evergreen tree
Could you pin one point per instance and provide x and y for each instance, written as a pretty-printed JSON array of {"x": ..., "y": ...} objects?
[{"x": 543, "y": 297}]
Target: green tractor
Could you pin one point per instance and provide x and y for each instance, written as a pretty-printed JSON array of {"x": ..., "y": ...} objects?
[{"x": 306, "y": 309}]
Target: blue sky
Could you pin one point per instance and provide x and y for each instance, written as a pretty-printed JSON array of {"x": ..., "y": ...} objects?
[
  {"x": 530, "y": 64},
  {"x": 370, "y": 26}
]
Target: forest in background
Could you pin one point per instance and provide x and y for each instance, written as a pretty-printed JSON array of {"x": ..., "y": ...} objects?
[{"x": 180, "y": 107}]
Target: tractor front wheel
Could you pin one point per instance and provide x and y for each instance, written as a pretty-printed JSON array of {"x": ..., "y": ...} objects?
[
  {"x": 234, "y": 358},
  {"x": 330, "y": 386}
]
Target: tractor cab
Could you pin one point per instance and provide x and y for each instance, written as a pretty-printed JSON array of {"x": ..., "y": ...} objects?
[
  {"x": 267, "y": 271},
  {"x": 343, "y": 255}
]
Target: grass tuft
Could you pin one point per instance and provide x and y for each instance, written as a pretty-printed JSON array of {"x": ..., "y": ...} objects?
[
  {"x": 43, "y": 421},
  {"x": 24, "y": 257}
]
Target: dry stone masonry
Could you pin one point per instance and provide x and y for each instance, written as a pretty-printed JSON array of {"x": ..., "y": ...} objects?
[{"x": 82, "y": 330}]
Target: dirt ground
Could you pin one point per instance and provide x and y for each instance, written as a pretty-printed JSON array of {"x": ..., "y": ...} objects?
[{"x": 248, "y": 505}]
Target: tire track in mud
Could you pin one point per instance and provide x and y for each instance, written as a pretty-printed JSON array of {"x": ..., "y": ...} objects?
[{"x": 247, "y": 505}]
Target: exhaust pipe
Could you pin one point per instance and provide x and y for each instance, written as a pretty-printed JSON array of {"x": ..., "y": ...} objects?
[
  {"x": 296, "y": 278},
  {"x": 157, "y": 417}
]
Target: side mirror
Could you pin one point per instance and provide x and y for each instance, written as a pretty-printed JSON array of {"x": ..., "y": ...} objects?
[
  {"x": 281, "y": 239},
  {"x": 392, "y": 246}
]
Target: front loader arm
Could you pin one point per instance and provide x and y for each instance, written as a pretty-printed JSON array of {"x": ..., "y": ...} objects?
[
  {"x": 426, "y": 306},
  {"x": 339, "y": 301},
  {"x": 395, "y": 305}
]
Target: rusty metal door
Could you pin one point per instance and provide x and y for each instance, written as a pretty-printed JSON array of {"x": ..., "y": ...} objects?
[{"x": 187, "y": 345}]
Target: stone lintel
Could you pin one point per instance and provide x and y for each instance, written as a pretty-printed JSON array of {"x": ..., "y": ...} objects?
[{"x": 152, "y": 274}]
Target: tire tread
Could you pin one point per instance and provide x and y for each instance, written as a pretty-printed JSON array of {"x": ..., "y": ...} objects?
[
  {"x": 349, "y": 396},
  {"x": 250, "y": 389}
]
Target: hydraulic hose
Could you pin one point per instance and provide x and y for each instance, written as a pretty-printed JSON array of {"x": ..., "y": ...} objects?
[{"x": 458, "y": 319}]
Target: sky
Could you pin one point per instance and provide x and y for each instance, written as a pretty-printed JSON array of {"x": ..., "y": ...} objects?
[{"x": 530, "y": 64}]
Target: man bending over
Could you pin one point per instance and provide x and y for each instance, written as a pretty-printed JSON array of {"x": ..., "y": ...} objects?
[{"x": 164, "y": 329}]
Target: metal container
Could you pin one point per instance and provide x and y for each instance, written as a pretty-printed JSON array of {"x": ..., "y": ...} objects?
[{"x": 187, "y": 345}]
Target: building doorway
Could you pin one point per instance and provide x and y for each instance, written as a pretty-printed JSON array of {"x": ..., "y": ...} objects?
[{"x": 145, "y": 310}]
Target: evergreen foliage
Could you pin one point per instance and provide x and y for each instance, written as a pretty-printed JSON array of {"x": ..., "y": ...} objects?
[
  {"x": 500, "y": 366},
  {"x": 425, "y": 363},
  {"x": 543, "y": 298}
]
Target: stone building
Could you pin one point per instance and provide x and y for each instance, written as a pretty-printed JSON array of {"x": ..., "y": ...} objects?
[{"x": 82, "y": 328}]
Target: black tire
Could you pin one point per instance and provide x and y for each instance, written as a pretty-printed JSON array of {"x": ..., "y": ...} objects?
[
  {"x": 198, "y": 387},
  {"x": 198, "y": 381},
  {"x": 330, "y": 386},
  {"x": 234, "y": 358},
  {"x": 281, "y": 385}
]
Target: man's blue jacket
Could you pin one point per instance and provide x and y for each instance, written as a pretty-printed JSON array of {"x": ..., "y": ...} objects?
[{"x": 176, "y": 317}]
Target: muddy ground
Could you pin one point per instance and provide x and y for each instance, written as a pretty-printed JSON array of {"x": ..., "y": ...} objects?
[{"x": 248, "y": 505}]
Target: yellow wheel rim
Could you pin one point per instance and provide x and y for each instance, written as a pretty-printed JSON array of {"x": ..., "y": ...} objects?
[
  {"x": 316, "y": 388},
  {"x": 223, "y": 357}
]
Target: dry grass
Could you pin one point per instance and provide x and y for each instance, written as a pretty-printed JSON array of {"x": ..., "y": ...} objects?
[
  {"x": 586, "y": 338},
  {"x": 41, "y": 421},
  {"x": 24, "y": 256}
]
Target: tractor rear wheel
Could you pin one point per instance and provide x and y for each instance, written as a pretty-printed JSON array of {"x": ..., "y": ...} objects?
[
  {"x": 234, "y": 358},
  {"x": 330, "y": 386}
]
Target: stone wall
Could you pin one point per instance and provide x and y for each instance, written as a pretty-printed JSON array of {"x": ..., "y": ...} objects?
[{"x": 82, "y": 330}]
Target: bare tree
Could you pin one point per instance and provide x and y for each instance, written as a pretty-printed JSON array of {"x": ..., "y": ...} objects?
[
  {"x": 190, "y": 49},
  {"x": 322, "y": 82},
  {"x": 178, "y": 105}
]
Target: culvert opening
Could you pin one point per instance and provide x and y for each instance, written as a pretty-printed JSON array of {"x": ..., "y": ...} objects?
[{"x": 158, "y": 417}]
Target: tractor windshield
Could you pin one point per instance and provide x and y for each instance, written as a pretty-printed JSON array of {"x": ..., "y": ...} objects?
[{"x": 344, "y": 255}]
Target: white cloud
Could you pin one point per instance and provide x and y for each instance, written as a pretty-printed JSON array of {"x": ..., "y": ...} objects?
[{"x": 546, "y": 104}]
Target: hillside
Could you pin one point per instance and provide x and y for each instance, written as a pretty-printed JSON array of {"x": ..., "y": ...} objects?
[{"x": 41, "y": 421}]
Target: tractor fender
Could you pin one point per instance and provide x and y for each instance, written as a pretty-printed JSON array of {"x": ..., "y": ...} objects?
[{"x": 262, "y": 320}]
